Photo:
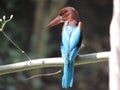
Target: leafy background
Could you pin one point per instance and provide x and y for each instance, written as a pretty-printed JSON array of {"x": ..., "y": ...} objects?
[{"x": 29, "y": 30}]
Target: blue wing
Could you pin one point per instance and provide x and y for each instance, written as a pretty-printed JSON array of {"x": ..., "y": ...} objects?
[
  {"x": 71, "y": 37},
  {"x": 74, "y": 43}
]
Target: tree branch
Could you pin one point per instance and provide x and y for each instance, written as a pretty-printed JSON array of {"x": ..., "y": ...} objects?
[{"x": 52, "y": 62}]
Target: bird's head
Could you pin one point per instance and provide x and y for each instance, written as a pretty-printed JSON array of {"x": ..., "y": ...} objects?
[{"x": 66, "y": 14}]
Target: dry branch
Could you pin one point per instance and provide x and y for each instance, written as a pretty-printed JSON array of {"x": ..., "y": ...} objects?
[{"x": 52, "y": 62}]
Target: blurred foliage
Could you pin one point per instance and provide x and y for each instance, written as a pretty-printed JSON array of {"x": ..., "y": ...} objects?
[{"x": 96, "y": 16}]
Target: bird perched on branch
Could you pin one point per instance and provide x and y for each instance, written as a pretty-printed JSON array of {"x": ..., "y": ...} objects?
[{"x": 71, "y": 41}]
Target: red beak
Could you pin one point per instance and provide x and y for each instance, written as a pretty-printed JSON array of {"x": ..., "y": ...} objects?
[{"x": 54, "y": 22}]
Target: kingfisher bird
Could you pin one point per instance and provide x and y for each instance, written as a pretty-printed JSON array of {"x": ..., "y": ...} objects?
[{"x": 71, "y": 41}]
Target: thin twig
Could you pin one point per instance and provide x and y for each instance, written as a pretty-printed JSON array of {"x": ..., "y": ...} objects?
[
  {"x": 4, "y": 22},
  {"x": 43, "y": 75},
  {"x": 23, "y": 52}
]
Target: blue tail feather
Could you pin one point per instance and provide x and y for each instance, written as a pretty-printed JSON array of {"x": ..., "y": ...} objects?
[{"x": 67, "y": 79}]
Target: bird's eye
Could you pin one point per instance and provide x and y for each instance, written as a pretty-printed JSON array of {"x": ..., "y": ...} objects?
[{"x": 61, "y": 14}]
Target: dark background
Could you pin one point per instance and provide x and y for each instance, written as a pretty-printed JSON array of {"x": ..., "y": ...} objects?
[{"x": 29, "y": 30}]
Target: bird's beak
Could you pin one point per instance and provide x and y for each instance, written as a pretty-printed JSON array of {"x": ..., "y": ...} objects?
[{"x": 56, "y": 21}]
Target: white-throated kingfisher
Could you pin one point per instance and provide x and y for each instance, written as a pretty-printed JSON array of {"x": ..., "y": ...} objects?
[{"x": 71, "y": 41}]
